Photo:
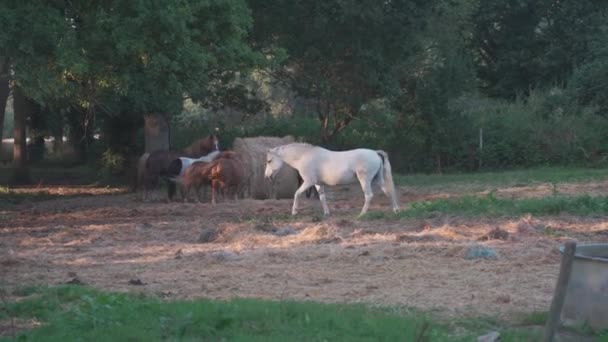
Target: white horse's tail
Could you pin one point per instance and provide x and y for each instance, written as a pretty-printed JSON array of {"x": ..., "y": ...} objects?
[{"x": 388, "y": 186}]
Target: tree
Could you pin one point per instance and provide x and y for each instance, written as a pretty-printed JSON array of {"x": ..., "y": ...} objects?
[
  {"x": 23, "y": 107},
  {"x": 340, "y": 54},
  {"x": 106, "y": 58},
  {"x": 522, "y": 44},
  {"x": 4, "y": 91}
]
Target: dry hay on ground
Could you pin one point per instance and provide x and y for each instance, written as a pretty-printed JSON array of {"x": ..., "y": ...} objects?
[
  {"x": 106, "y": 241},
  {"x": 253, "y": 154}
]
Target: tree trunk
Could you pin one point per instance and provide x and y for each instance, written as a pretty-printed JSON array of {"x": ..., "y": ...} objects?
[
  {"x": 80, "y": 136},
  {"x": 4, "y": 92},
  {"x": 58, "y": 140},
  {"x": 21, "y": 170},
  {"x": 156, "y": 132}
]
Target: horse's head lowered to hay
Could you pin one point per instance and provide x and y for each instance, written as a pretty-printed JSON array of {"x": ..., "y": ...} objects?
[
  {"x": 253, "y": 155},
  {"x": 156, "y": 163}
]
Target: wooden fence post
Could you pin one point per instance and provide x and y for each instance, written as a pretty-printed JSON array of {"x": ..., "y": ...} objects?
[{"x": 560, "y": 291}]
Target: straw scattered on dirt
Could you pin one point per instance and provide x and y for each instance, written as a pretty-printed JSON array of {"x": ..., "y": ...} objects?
[{"x": 112, "y": 241}]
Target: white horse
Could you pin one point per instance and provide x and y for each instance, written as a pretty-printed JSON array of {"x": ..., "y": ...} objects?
[{"x": 318, "y": 167}]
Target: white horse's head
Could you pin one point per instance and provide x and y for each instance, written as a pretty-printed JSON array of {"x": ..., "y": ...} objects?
[{"x": 273, "y": 163}]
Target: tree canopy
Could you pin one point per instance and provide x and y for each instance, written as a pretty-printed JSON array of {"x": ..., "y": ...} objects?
[
  {"x": 426, "y": 74},
  {"x": 137, "y": 56},
  {"x": 341, "y": 54}
]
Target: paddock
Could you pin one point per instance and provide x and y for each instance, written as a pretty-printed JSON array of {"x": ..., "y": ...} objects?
[{"x": 106, "y": 239}]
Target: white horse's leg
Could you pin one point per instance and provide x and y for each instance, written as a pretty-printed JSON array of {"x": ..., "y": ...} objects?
[
  {"x": 321, "y": 192},
  {"x": 386, "y": 189},
  {"x": 390, "y": 194},
  {"x": 305, "y": 185},
  {"x": 366, "y": 186}
]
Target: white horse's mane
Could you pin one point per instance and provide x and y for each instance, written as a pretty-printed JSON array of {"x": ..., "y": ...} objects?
[{"x": 298, "y": 145}]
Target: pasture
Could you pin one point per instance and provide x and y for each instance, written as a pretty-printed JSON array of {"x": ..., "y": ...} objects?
[{"x": 106, "y": 239}]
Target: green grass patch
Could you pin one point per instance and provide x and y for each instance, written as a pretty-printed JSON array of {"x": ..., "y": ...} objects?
[
  {"x": 77, "y": 313},
  {"x": 535, "y": 318},
  {"x": 521, "y": 177},
  {"x": 490, "y": 205}
]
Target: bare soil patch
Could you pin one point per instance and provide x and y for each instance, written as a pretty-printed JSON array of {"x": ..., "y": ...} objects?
[{"x": 112, "y": 241}]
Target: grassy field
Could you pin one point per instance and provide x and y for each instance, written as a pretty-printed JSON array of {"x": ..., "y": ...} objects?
[
  {"x": 71, "y": 313},
  {"x": 491, "y": 206},
  {"x": 521, "y": 177}
]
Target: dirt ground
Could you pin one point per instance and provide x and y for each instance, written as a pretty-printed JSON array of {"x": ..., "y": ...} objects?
[{"x": 108, "y": 239}]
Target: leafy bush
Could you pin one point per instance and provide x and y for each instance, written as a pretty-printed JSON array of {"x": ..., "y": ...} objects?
[
  {"x": 544, "y": 128},
  {"x": 112, "y": 163},
  {"x": 589, "y": 83}
]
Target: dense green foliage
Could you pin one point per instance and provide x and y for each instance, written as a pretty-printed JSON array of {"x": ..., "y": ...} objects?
[
  {"x": 526, "y": 44},
  {"x": 442, "y": 86},
  {"x": 342, "y": 54},
  {"x": 102, "y": 65}
]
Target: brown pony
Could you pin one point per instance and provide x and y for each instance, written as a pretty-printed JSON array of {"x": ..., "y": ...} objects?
[
  {"x": 226, "y": 173},
  {"x": 155, "y": 165},
  {"x": 197, "y": 175}
]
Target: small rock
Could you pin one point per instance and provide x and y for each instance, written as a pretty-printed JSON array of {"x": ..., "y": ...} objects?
[
  {"x": 489, "y": 337},
  {"x": 344, "y": 223},
  {"x": 364, "y": 253},
  {"x": 285, "y": 231},
  {"x": 208, "y": 235},
  {"x": 136, "y": 282},
  {"x": 328, "y": 240},
  {"x": 524, "y": 227},
  {"x": 495, "y": 234},
  {"x": 225, "y": 256},
  {"x": 179, "y": 254},
  {"x": 265, "y": 227},
  {"x": 72, "y": 274},
  {"x": 74, "y": 281},
  {"x": 504, "y": 299},
  {"x": 165, "y": 294},
  {"x": 481, "y": 252},
  {"x": 144, "y": 226},
  {"x": 380, "y": 258}
]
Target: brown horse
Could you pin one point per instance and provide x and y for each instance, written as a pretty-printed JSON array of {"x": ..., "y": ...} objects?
[
  {"x": 196, "y": 176},
  {"x": 226, "y": 174},
  {"x": 154, "y": 165},
  {"x": 244, "y": 186}
]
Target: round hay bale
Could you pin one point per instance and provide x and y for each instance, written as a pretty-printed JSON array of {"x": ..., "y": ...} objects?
[{"x": 253, "y": 154}]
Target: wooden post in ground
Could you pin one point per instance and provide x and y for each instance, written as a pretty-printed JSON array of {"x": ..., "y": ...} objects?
[{"x": 560, "y": 291}]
